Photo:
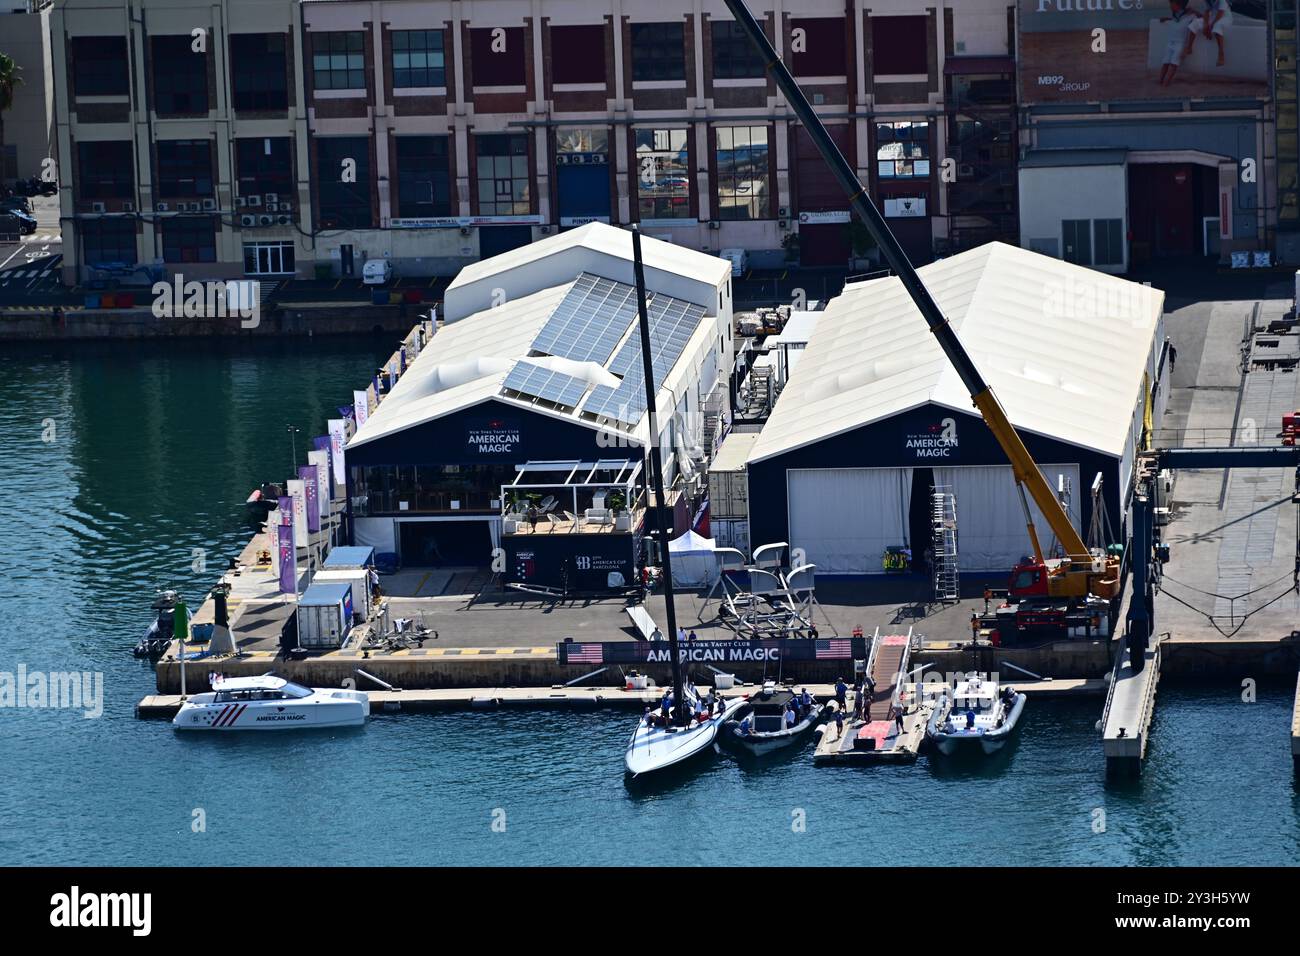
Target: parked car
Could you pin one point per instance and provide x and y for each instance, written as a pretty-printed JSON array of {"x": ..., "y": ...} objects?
[
  {"x": 16, "y": 202},
  {"x": 16, "y": 222},
  {"x": 376, "y": 272}
]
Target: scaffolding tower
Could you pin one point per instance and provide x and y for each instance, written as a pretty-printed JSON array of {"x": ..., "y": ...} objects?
[{"x": 943, "y": 545}]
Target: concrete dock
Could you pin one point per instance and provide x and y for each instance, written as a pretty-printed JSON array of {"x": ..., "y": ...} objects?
[
  {"x": 1130, "y": 706},
  {"x": 479, "y": 698}
]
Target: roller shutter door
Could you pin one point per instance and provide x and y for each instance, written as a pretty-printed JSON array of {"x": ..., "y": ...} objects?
[
  {"x": 991, "y": 533},
  {"x": 845, "y": 518}
]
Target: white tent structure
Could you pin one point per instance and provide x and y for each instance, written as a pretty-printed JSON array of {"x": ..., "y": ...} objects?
[
  {"x": 694, "y": 562},
  {"x": 875, "y": 416}
]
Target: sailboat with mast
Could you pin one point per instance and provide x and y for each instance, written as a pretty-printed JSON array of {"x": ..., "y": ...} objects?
[{"x": 684, "y": 725}]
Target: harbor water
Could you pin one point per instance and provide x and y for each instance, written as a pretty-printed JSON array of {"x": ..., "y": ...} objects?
[{"x": 124, "y": 468}]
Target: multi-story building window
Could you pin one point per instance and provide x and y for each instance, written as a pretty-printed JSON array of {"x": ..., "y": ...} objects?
[
  {"x": 110, "y": 239},
  {"x": 184, "y": 168},
  {"x": 180, "y": 75},
  {"x": 99, "y": 66},
  {"x": 105, "y": 170},
  {"x": 260, "y": 71},
  {"x": 268, "y": 258},
  {"x": 663, "y": 175},
  {"x": 658, "y": 52},
  {"x": 502, "y": 174},
  {"x": 1285, "y": 102},
  {"x": 578, "y": 54},
  {"x": 338, "y": 60},
  {"x": 497, "y": 56},
  {"x": 343, "y": 179},
  {"x": 900, "y": 45},
  {"x": 189, "y": 239},
  {"x": 743, "y": 174},
  {"x": 734, "y": 56},
  {"x": 903, "y": 150},
  {"x": 264, "y": 164},
  {"x": 817, "y": 46},
  {"x": 423, "y": 177},
  {"x": 418, "y": 59}
]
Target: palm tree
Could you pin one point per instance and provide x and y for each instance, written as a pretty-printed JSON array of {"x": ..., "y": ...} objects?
[{"x": 10, "y": 78}]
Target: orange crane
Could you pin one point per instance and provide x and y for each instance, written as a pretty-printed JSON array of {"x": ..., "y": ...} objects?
[{"x": 1080, "y": 573}]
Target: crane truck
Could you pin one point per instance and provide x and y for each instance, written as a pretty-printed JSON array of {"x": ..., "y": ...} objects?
[{"x": 1042, "y": 592}]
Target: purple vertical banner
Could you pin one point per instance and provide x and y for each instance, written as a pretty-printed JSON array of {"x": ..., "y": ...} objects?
[
  {"x": 310, "y": 478},
  {"x": 288, "y": 552}
]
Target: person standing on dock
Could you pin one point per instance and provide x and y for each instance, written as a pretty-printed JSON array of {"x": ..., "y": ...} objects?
[{"x": 841, "y": 693}]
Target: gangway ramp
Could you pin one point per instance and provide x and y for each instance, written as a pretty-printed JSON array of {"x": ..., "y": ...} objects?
[
  {"x": 1130, "y": 707},
  {"x": 880, "y": 735}
]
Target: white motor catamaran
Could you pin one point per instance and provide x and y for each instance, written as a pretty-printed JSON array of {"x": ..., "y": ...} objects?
[
  {"x": 270, "y": 703},
  {"x": 976, "y": 711}
]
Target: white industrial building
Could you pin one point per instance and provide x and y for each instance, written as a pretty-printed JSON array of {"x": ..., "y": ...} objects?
[
  {"x": 522, "y": 424},
  {"x": 874, "y": 417}
]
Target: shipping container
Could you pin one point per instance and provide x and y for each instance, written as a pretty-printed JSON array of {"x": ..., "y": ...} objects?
[
  {"x": 359, "y": 580},
  {"x": 728, "y": 480},
  {"x": 325, "y": 615},
  {"x": 349, "y": 557},
  {"x": 730, "y": 533}
]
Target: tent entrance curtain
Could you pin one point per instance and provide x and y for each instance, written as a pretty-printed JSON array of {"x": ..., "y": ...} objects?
[
  {"x": 845, "y": 518},
  {"x": 991, "y": 533}
]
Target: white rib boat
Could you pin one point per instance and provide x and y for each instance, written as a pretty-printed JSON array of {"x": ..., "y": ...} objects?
[
  {"x": 656, "y": 747},
  {"x": 270, "y": 703},
  {"x": 976, "y": 711}
]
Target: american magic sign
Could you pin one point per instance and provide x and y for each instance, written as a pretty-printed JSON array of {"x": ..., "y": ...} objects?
[{"x": 714, "y": 652}]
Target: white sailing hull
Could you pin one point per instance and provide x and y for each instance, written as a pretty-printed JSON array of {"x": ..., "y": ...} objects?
[{"x": 657, "y": 748}]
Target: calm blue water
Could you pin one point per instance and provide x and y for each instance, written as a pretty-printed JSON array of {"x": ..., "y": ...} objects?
[{"x": 155, "y": 448}]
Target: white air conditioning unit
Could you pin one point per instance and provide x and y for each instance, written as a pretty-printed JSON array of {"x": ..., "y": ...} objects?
[
  {"x": 128, "y": 207},
  {"x": 266, "y": 220},
  {"x": 284, "y": 220},
  {"x": 286, "y": 207},
  {"x": 248, "y": 219},
  {"x": 240, "y": 202},
  {"x": 714, "y": 224},
  {"x": 272, "y": 197},
  {"x": 161, "y": 207},
  {"x": 254, "y": 201},
  {"x": 96, "y": 207},
  {"x": 192, "y": 207},
  {"x": 273, "y": 207},
  {"x": 209, "y": 205}
]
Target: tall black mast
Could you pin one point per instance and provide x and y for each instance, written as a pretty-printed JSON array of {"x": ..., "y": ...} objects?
[{"x": 657, "y": 476}]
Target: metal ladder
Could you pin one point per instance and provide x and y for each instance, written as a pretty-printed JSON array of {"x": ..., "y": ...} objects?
[{"x": 943, "y": 544}]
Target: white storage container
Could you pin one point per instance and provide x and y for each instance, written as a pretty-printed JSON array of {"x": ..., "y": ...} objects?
[
  {"x": 325, "y": 615},
  {"x": 357, "y": 577}
]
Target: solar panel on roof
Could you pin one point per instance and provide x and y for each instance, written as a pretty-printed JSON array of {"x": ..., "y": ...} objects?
[
  {"x": 589, "y": 321},
  {"x": 543, "y": 383},
  {"x": 672, "y": 323}
]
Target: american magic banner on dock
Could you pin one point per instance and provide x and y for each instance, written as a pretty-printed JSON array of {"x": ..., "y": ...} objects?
[{"x": 714, "y": 652}]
